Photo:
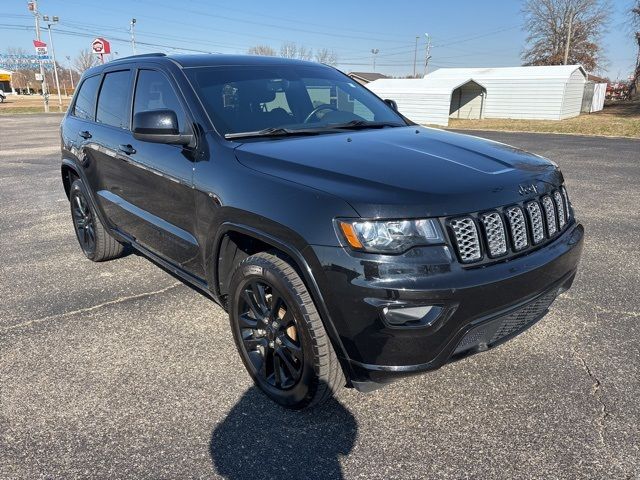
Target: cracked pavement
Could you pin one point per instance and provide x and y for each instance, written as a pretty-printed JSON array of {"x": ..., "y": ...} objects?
[{"x": 119, "y": 370}]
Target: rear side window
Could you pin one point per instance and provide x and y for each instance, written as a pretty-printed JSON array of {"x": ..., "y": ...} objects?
[
  {"x": 86, "y": 101},
  {"x": 114, "y": 98},
  {"x": 154, "y": 92}
]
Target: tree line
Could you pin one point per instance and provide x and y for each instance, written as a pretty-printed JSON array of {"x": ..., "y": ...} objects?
[
  {"x": 300, "y": 52},
  {"x": 69, "y": 72}
]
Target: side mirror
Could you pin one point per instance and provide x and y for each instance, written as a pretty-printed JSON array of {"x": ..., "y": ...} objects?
[
  {"x": 159, "y": 126},
  {"x": 391, "y": 103}
]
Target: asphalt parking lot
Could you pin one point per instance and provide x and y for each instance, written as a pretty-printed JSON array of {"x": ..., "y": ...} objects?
[{"x": 118, "y": 370}]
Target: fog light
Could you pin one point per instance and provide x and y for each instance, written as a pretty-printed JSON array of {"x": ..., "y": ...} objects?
[{"x": 411, "y": 316}]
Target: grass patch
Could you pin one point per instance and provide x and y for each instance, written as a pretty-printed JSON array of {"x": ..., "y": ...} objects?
[
  {"x": 31, "y": 104},
  {"x": 14, "y": 110},
  {"x": 621, "y": 119}
]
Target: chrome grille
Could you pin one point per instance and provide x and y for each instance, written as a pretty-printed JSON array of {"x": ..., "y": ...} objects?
[
  {"x": 518, "y": 228},
  {"x": 466, "y": 235},
  {"x": 562, "y": 221},
  {"x": 535, "y": 217},
  {"x": 484, "y": 237},
  {"x": 550, "y": 215},
  {"x": 495, "y": 235}
]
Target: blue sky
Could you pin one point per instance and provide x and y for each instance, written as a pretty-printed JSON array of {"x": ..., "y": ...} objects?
[{"x": 464, "y": 33}]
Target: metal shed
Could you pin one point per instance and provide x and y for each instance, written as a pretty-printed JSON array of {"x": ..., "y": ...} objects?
[
  {"x": 432, "y": 100},
  {"x": 537, "y": 93}
]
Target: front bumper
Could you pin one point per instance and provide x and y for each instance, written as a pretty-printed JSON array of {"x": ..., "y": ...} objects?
[{"x": 356, "y": 287}]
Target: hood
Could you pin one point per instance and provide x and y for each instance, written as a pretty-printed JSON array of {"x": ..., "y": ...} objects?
[{"x": 404, "y": 171}]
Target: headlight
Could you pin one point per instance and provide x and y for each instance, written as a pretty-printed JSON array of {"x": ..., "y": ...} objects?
[{"x": 390, "y": 236}]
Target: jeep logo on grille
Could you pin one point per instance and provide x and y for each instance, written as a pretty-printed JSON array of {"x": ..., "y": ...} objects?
[{"x": 527, "y": 189}]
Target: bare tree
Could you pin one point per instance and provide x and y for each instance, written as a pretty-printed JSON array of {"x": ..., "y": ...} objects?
[
  {"x": 85, "y": 60},
  {"x": 305, "y": 53},
  {"x": 292, "y": 50},
  {"x": 289, "y": 50},
  {"x": 23, "y": 77},
  {"x": 265, "y": 50},
  {"x": 326, "y": 56},
  {"x": 565, "y": 27}
]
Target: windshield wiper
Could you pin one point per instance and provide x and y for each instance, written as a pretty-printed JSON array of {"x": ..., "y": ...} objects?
[
  {"x": 286, "y": 132},
  {"x": 362, "y": 124},
  {"x": 275, "y": 132}
]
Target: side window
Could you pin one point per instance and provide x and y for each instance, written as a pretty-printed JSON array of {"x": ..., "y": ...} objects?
[
  {"x": 154, "y": 92},
  {"x": 113, "y": 99},
  {"x": 86, "y": 100}
]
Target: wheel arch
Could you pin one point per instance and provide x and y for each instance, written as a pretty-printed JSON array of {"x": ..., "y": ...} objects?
[
  {"x": 230, "y": 248},
  {"x": 68, "y": 171}
]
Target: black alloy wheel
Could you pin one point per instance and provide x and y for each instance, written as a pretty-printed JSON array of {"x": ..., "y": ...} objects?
[
  {"x": 279, "y": 334},
  {"x": 270, "y": 335},
  {"x": 84, "y": 222},
  {"x": 96, "y": 242}
]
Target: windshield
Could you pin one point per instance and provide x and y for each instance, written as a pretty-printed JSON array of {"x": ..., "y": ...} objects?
[{"x": 242, "y": 99}]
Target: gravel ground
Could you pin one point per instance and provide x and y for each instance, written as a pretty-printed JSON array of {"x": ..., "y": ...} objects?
[{"x": 119, "y": 370}]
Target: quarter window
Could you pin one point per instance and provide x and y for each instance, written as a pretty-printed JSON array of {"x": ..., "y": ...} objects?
[
  {"x": 154, "y": 92},
  {"x": 113, "y": 99},
  {"x": 85, "y": 105}
]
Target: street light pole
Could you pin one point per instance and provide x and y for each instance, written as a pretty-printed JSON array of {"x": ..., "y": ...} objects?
[
  {"x": 33, "y": 6},
  {"x": 415, "y": 56},
  {"x": 374, "y": 52},
  {"x": 427, "y": 51},
  {"x": 133, "y": 35},
  {"x": 54, "y": 20},
  {"x": 73, "y": 87}
]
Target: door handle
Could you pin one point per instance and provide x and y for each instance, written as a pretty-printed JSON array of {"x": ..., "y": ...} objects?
[
  {"x": 127, "y": 149},
  {"x": 85, "y": 134}
]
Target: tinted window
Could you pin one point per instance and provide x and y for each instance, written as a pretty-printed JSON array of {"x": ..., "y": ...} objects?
[
  {"x": 113, "y": 100},
  {"x": 245, "y": 99},
  {"x": 154, "y": 92},
  {"x": 86, "y": 100}
]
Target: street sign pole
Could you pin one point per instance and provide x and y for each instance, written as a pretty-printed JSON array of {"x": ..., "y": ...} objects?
[
  {"x": 55, "y": 67},
  {"x": 33, "y": 6}
]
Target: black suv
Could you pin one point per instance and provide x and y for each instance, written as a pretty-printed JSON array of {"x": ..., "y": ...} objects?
[{"x": 349, "y": 246}]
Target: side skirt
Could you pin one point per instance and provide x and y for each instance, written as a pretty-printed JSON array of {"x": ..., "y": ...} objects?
[{"x": 193, "y": 281}]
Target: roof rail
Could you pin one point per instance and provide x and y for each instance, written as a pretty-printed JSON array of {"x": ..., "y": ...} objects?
[{"x": 142, "y": 55}]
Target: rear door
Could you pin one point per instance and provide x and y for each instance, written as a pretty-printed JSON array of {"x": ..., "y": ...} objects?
[
  {"x": 103, "y": 144},
  {"x": 101, "y": 110}
]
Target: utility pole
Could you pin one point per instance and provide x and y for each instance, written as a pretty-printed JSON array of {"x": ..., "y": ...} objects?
[
  {"x": 566, "y": 47},
  {"x": 415, "y": 56},
  {"x": 133, "y": 35},
  {"x": 427, "y": 56},
  {"x": 73, "y": 87},
  {"x": 33, "y": 6},
  {"x": 54, "y": 20},
  {"x": 374, "y": 52}
]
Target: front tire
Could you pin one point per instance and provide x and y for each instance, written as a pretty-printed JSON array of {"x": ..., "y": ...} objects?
[
  {"x": 95, "y": 241},
  {"x": 279, "y": 334}
]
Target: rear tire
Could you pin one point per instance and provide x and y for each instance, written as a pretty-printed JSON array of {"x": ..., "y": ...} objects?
[
  {"x": 95, "y": 241},
  {"x": 279, "y": 334}
]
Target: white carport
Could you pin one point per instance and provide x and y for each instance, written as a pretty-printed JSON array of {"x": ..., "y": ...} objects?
[
  {"x": 536, "y": 93},
  {"x": 432, "y": 100}
]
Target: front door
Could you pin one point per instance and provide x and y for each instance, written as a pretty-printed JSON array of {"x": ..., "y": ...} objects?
[{"x": 160, "y": 181}]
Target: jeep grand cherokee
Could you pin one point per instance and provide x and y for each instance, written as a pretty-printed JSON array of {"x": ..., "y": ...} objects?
[{"x": 349, "y": 246}]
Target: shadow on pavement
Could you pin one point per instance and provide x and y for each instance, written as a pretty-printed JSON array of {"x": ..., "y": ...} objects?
[{"x": 259, "y": 439}]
